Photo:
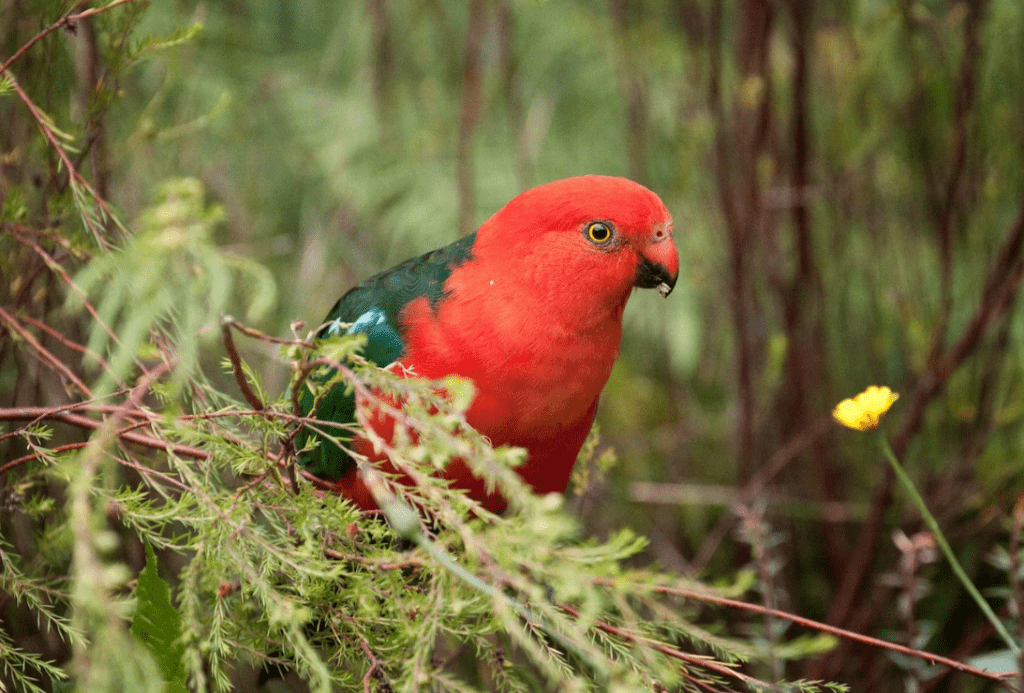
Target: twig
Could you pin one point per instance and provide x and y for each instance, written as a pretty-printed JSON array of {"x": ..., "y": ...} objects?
[
  {"x": 374, "y": 665},
  {"x": 73, "y": 173},
  {"x": 739, "y": 145},
  {"x": 66, "y": 21},
  {"x": 785, "y": 455},
  {"x": 45, "y": 413},
  {"x": 74, "y": 346},
  {"x": 668, "y": 651},
  {"x": 1001, "y": 677},
  {"x": 947, "y": 202},
  {"x": 382, "y": 67},
  {"x": 227, "y": 322},
  {"x": 35, "y": 455},
  {"x": 60, "y": 271},
  {"x": 42, "y": 352},
  {"x": 263, "y": 337},
  {"x": 145, "y": 471},
  {"x": 470, "y": 112},
  {"x": 380, "y": 565}
]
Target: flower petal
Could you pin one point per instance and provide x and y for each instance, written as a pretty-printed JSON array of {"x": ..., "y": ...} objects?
[{"x": 866, "y": 409}]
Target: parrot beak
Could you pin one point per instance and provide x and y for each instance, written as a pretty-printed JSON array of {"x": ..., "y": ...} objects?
[{"x": 659, "y": 264}]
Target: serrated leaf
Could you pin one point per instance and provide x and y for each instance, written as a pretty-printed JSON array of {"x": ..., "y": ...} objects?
[{"x": 157, "y": 624}]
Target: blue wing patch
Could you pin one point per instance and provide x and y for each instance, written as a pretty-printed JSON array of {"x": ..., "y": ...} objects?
[
  {"x": 364, "y": 322},
  {"x": 383, "y": 343}
]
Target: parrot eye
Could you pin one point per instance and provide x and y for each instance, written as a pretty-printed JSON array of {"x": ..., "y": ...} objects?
[{"x": 599, "y": 232}]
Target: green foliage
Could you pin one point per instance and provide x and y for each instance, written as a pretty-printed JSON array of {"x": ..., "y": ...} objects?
[
  {"x": 23, "y": 668},
  {"x": 245, "y": 146},
  {"x": 106, "y": 657},
  {"x": 338, "y": 595},
  {"x": 186, "y": 281},
  {"x": 157, "y": 624},
  {"x": 277, "y": 573}
]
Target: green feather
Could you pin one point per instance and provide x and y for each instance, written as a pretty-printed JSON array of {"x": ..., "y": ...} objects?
[{"x": 373, "y": 308}]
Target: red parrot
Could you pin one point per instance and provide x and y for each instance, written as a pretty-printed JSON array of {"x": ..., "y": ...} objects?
[{"x": 529, "y": 308}]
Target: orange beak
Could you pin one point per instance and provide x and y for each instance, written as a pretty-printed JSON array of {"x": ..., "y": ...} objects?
[{"x": 659, "y": 263}]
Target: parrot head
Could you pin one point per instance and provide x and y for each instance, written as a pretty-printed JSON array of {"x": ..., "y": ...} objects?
[{"x": 592, "y": 236}]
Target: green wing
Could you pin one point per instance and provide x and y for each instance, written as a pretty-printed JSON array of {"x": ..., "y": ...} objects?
[{"x": 373, "y": 308}]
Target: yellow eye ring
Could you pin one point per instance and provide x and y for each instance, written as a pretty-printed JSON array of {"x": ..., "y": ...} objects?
[{"x": 599, "y": 232}]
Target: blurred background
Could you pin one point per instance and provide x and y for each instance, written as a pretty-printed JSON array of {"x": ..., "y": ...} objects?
[{"x": 846, "y": 178}]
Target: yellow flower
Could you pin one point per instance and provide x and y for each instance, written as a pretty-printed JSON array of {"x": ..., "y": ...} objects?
[{"x": 866, "y": 409}]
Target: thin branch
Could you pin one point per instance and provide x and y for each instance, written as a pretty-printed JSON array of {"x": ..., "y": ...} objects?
[
  {"x": 56, "y": 267},
  {"x": 73, "y": 174},
  {"x": 42, "y": 352},
  {"x": 74, "y": 346},
  {"x": 53, "y": 414},
  {"x": 947, "y": 207},
  {"x": 668, "y": 651},
  {"x": 17, "y": 462},
  {"x": 68, "y": 21},
  {"x": 470, "y": 113},
  {"x": 382, "y": 68},
  {"x": 263, "y": 337},
  {"x": 375, "y": 667},
  {"x": 1001, "y": 677},
  {"x": 227, "y": 322},
  {"x": 512, "y": 85},
  {"x": 757, "y": 484},
  {"x": 628, "y": 63}
]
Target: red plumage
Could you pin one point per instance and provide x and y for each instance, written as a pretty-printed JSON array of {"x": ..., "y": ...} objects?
[{"x": 534, "y": 318}]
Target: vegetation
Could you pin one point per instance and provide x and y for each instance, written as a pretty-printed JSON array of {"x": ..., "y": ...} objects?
[{"x": 846, "y": 180}]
